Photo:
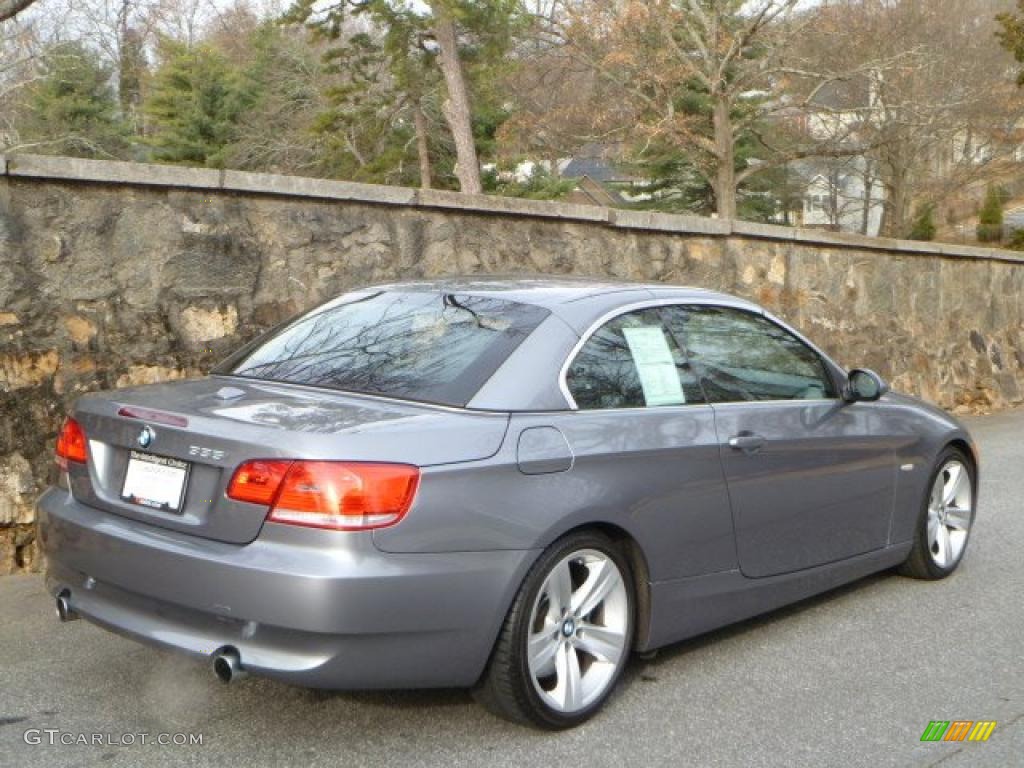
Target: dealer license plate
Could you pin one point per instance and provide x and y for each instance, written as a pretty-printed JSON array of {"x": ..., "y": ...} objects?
[{"x": 155, "y": 481}]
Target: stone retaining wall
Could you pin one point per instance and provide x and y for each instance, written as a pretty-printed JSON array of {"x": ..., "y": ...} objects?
[{"x": 119, "y": 273}]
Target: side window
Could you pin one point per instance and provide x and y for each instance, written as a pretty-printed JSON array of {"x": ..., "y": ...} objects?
[
  {"x": 744, "y": 356},
  {"x": 632, "y": 361}
]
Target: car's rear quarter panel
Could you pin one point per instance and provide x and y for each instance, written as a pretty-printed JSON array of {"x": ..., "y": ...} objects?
[{"x": 655, "y": 474}]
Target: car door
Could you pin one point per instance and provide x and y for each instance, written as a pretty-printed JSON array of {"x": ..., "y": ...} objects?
[
  {"x": 811, "y": 479},
  {"x": 644, "y": 447}
]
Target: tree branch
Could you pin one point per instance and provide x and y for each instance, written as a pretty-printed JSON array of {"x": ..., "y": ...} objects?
[{"x": 11, "y": 8}]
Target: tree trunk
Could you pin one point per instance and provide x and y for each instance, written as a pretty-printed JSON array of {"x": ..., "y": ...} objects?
[
  {"x": 835, "y": 204},
  {"x": 422, "y": 147},
  {"x": 456, "y": 106},
  {"x": 897, "y": 204},
  {"x": 11, "y": 8},
  {"x": 725, "y": 178},
  {"x": 867, "y": 197}
]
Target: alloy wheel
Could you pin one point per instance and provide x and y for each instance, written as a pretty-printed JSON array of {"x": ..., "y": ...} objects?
[
  {"x": 950, "y": 512},
  {"x": 578, "y": 631}
]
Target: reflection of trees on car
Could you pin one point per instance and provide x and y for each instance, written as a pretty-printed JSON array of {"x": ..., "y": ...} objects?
[
  {"x": 721, "y": 354},
  {"x": 604, "y": 374},
  {"x": 424, "y": 346},
  {"x": 746, "y": 357}
]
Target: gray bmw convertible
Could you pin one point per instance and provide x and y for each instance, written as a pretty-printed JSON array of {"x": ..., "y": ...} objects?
[{"x": 508, "y": 485}]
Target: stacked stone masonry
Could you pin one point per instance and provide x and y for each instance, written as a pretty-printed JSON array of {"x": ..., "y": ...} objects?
[{"x": 117, "y": 273}]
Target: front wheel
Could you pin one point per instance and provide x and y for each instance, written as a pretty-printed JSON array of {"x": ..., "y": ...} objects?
[
  {"x": 567, "y": 636},
  {"x": 944, "y": 523}
]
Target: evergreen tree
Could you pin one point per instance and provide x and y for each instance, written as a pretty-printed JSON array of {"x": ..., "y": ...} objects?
[
  {"x": 1016, "y": 242},
  {"x": 73, "y": 110},
  {"x": 990, "y": 220},
  {"x": 432, "y": 51},
  {"x": 383, "y": 84},
  {"x": 923, "y": 226},
  {"x": 678, "y": 184},
  {"x": 194, "y": 105}
]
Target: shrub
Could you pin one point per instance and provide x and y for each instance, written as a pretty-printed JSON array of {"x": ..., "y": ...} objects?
[
  {"x": 990, "y": 220},
  {"x": 923, "y": 226},
  {"x": 1016, "y": 242}
]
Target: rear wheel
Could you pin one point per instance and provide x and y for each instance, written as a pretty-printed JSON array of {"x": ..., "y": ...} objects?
[
  {"x": 567, "y": 636},
  {"x": 944, "y": 523}
]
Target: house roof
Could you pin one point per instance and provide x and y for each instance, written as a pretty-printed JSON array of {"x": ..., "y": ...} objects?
[
  {"x": 591, "y": 192},
  {"x": 597, "y": 162},
  {"x": 593, "y": 168}
]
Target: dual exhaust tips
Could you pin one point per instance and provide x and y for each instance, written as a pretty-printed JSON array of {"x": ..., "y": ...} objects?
[{"x": 227, "y": 662}]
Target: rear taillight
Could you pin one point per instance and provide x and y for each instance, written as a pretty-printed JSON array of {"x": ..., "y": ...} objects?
[
  {"x": 71, "y": 443},
  {"x": 257, "y": 481},
  {"x": 340, "y": 495}
]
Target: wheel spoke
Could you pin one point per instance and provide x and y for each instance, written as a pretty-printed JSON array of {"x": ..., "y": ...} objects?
[
  {"x": 602, "y": 578},
  {"x": 543, "y": 647},
  {"x": 570, "y": 682},
  {"x": 602, "y": 643},
  {"x": 958, "y": 519},
  {"x": 933, "y": 528},
  {"x": 945, "y": 556},
  {"x": 937, "y": 492},
  {"x": 560, "y": 588},
  {"x": 952, "y": 485}
]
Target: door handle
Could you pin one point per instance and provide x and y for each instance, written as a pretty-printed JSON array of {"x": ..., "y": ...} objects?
[{"x": 746, "y": 441}]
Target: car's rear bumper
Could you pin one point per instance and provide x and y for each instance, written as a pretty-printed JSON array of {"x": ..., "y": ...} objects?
[{"x": 315, "y": 608}]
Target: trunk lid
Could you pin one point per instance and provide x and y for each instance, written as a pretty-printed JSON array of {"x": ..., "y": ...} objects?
[{"x": 215, "y": 424}]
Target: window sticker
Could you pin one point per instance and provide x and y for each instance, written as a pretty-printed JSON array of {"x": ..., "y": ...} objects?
[{"x": 655, "y": 365}]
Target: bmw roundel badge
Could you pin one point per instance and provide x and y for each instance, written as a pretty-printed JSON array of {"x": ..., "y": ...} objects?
[{"x": 146, "y": 437}]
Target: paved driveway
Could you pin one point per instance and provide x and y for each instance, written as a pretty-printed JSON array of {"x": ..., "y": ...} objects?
[{"x": 847, "y": 679}]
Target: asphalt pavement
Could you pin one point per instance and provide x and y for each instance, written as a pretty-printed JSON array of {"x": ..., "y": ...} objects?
[{"x": 851, "y": 678}]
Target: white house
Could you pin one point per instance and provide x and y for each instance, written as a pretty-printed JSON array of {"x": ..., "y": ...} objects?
[{"x": 841, "y": 195}]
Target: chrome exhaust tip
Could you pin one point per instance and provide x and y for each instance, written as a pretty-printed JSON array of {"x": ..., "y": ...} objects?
[
  {"x": 64, "y": 610},
  {"x": 227, "y": 665}
]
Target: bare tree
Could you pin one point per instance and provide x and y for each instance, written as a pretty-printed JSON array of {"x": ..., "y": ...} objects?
[
  {"x": 735, "y": 57},
  {"x": 23, "y": 43},
  {"x": 946, "y": 115}
]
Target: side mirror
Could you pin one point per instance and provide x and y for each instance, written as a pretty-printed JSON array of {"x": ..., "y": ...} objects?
[{"x": 864, "y": 386}]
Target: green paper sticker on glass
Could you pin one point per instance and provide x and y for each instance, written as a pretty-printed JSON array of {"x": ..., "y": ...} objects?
[{"x": 655, "y": 365}]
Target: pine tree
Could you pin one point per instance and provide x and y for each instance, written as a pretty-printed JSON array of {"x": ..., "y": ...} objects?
[
  {"x": 73, "y": 110},
  {"x": 990, "y": 220},
  {"x": 193, "y": 105},
  {"x": 923, "y": 226},
  {"x": 423, "y": 45}
]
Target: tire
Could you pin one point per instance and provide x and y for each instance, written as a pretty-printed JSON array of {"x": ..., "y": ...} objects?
[
  {"x": 935, "y": 555},
  {"x": 572, "y": 685}
]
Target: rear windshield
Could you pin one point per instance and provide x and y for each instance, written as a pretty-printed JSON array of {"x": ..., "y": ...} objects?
[{"x": 438, "y": 348}]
